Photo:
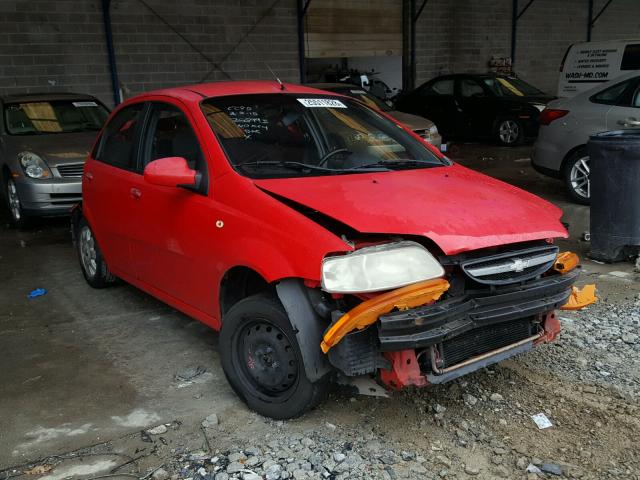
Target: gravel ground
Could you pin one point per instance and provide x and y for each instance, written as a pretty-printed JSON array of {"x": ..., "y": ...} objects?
[{"x": 587, "y": 384}]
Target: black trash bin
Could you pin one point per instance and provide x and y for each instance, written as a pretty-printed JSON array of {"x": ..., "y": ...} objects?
[{"x": 615, "y": 194}]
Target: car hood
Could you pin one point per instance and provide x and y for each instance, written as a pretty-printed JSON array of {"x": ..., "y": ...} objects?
[
  {"x": 455, "y": 207},
  {"x": 414, "y": 122},
  {"x": 55, "y": 149}
]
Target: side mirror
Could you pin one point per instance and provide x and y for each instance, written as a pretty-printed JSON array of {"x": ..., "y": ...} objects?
[{"x": 171, "y": 172}]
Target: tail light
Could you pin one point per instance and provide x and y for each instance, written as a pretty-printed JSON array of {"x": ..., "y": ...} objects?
[{"x": 549, "y": 115}]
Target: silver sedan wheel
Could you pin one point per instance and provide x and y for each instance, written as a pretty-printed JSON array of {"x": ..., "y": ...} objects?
[
  {"x": 509, "y": 131},
  {"x": 14, "y": 201},
  {"x": 88, "y": 251},
  {"x": 579, "y": 177}
]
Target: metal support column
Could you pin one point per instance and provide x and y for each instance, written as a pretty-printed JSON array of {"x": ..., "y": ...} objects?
[
  {"x": 592, "y": 20},
  {"x": 414, "y": 16},
  {"x": 515, "y": 16},
  {"x": 302, "y": 11},
  {"x": 113, "y": 68}
]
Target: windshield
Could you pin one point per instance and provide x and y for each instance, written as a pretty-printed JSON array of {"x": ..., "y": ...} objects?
[
  {"x": 367, "y": 98},
  {"x": 55, "y": 116},
  {"x": 511, "y": 87},
  {"x": 284, "y": 135}
]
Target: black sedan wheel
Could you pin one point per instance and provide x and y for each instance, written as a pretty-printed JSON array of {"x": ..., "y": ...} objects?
[
  {"x": 509, "y": 132},
  {"x": 262, "y": 360}
]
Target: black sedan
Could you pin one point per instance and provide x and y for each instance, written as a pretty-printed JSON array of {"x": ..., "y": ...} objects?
[{"x": 470, "y": 107}]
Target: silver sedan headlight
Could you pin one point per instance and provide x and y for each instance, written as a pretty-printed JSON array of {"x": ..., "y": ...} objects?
[
  {"x": 378, "y": 268},
  {"x": 33, "y": 165}
]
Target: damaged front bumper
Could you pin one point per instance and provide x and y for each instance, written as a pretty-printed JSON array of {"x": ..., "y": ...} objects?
[{"x": 437, "y": 342}]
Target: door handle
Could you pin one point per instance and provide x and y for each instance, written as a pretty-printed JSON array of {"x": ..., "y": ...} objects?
[
  {"x": 630, "y": 122},
  {"x": 88, "y": 176},
  {"x": 135, "y": 193}
]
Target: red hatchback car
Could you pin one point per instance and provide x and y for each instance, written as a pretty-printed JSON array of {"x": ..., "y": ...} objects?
[{"x": 324, "y": 240}]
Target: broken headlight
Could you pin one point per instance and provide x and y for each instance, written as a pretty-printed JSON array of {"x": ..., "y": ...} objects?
[{"x": 378, "y": 268}]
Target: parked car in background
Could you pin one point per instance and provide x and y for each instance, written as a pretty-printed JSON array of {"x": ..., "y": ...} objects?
[
  {"x": 420, "y": 125},
  {"x": 44, "y": 141},
  {"x": 473, "y": 107},
  {"x": 561, "y": 148},
  {"x": 588, "y": 64},
  {"x": 324, "y": 240}
]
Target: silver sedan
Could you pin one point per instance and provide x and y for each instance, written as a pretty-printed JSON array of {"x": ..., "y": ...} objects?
[
  {"x": 566, "y": 124},
  {"x": 44, "y": 141}
]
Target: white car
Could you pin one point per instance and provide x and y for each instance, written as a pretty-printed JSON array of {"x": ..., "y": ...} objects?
[{"x": 566, "y": 124}]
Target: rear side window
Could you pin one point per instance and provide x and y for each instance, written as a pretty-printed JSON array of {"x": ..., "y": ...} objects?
[
  {"x": 171, "y": 135},
  {"x": 441, "y": 87},
  {"x": 612, "y": 95},
  {"x": 118, "y": 145},
  {"x": 631, "y": 57}
]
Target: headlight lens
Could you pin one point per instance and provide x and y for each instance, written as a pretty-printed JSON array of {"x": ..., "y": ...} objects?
[
  {"x": 433, "y": 130},
  {"x": 33, "y": 165},
  {"x": 383, "y": 267}
]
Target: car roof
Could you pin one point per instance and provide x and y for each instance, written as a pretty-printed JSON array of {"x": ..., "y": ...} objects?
[
  {"x": 221, "y": 89},
  {"x": 43, "y": 96}
]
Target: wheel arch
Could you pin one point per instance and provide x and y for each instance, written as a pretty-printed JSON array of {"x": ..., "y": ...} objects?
[{"x": 569, "y": 154}]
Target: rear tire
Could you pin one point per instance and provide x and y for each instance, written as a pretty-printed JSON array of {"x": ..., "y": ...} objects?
[
  {"x": 509, "y": 132},
  {"x": 92, "y": 263},
  {"x": 576, "y": 175},
  {"x": 262, "y": 361}
]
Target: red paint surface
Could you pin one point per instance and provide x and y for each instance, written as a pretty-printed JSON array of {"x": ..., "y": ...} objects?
[{"x": 177, "y": 245}]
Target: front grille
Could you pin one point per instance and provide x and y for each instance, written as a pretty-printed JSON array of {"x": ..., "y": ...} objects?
[
  {"x": 483, "y": 340},
  {"x": 424, "y": 133},
  {"x": 511, "y": 267},
  {"x": 71, "y": 170}
]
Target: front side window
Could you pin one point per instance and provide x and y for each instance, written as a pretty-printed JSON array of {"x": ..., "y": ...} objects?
[
  {"x": 470, "y": 88},
  {"x": 284, "y": 135},
  {"x": 118, "y": 143},
  {"x": 55, "y": 116},
  {"x": 171, "y": 135}
]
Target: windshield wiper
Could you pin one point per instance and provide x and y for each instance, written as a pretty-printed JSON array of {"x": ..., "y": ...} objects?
[
  {"x": 400, "y": 163},
  {"x": 305, "y": 166}
]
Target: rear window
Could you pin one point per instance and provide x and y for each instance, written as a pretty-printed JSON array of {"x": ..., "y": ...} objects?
[
  {"x": 631, "y": 57},
  {"x": 55, "y": 116}
]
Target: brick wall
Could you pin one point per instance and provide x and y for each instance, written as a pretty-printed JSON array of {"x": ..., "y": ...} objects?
[
  {"x": 462, "y": 35},
  {"x": 58, "y": 45}
]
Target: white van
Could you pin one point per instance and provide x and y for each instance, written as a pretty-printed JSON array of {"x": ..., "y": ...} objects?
[{"x": 587, "y": 64}]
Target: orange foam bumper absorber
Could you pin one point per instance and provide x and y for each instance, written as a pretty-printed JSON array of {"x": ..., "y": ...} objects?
[
  {"x": 368, "y": 311},
  {"x": 566, "y": 262},
  {"x": 581, "y": 297}
]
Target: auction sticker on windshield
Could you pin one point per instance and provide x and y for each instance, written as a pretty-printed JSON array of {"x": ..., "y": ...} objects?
[{"x": 321, "y": 102}]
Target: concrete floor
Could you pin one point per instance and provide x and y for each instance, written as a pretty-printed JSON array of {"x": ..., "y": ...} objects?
[{"x": 81, "y": 366}]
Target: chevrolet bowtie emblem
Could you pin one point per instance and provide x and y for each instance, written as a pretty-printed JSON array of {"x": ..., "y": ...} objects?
[{"x": 519, "y": 265}]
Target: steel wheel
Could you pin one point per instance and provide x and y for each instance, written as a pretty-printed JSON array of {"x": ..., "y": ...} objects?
[
  {"x": 509, "y": 131},
  {"x": 14, "y": 201},
  {"x": 579, "y": 177},
  {"x": 88, "y": 255},
  {"x": 268, "y": 360}
]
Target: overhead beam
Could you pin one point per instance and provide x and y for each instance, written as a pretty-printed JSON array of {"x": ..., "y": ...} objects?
[{"x": 592, "y": 20}]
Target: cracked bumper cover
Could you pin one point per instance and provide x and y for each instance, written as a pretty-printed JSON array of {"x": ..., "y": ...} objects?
[{"x": 429, "y": 325}]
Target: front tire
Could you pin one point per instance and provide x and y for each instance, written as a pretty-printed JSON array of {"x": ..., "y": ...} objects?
[
  {"x": 509, "y": 132},
  {"x": 14, "y": 205},
  {"x": 577, "y": 173},
  {"x": 92, "y": 263},
  {"x": 262, "y": 361}
]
